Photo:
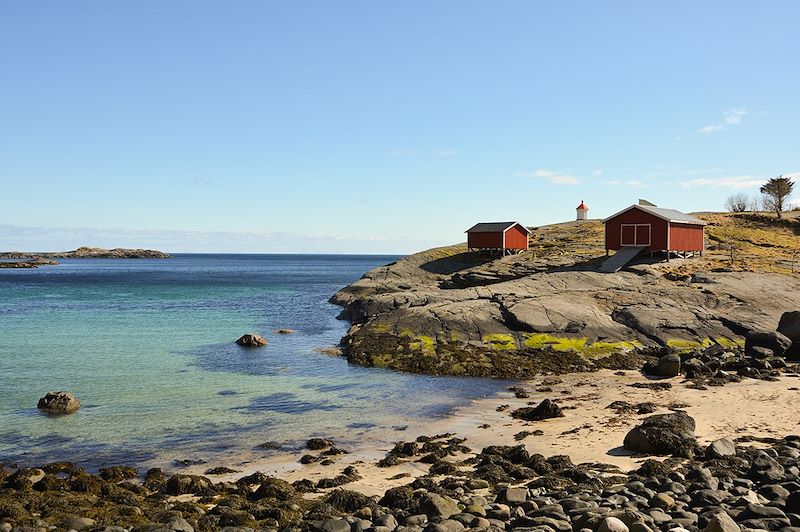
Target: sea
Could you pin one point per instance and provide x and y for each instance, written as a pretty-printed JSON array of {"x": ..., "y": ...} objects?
[{"x": 148, "y": 348}]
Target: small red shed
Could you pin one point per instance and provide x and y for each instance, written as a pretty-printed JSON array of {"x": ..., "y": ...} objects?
[
  {"x": 655, "y": 229},
  {"x": 503, "y": 237}
]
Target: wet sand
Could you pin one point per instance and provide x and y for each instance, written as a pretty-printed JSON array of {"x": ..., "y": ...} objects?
[{"x": 588, "y": 432}]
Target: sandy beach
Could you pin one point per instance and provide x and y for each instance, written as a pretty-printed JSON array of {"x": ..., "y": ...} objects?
[{"x": 588, "y": 432}]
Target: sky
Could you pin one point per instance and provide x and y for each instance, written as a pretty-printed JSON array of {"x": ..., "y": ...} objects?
[{"x": 379, "y": 127}]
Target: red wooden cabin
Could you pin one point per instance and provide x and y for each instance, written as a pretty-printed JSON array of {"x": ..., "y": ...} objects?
[
  {"x": 655, "y": 229},
  {"x": 500, "y": 237}
]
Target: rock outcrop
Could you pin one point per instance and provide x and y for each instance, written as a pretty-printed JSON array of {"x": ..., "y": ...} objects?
[
  {"x": 447, "y": 311},
  {"x": 59, "y": 403}
]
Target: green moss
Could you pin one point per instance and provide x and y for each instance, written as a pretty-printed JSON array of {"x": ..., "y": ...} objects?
[
  {"x": 379, "y": 327},
  {"x": 729, "y": 343},
  {"x": 600, "y": 349},
  {"x": 556, "y": 343},
  {"x": 500, "y": 342},
  {"x": 426, "y": 344},
  {"x": 688, "y": 345}
]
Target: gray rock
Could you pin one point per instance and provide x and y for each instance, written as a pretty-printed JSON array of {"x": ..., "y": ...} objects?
[
  {"x": 331, "y": 525},
  {"x": 513, "y": 495},
  {"x": 77, "y": 523},
  {"x": 59, "y": 403},
  {"x": 772, "y": 340},
  {"x": 448, "y": 525},
  {"x": 612, "y": 524},
  {"x": 434, "y": 505},
  {"x": 415, "y": 520},
  {"x": 720, "y": 448},
  {"x": 721, "y": 522},
  {"x": 387, "y": 520},
  {"x": 179, "y": 524},
  {"x": 789, "y": 325},
  {"x": 766, "y": 469}
]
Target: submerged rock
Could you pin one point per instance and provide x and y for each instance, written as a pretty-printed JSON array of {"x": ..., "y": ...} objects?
[
  {"x": 59, "y": 403},
  {"x": 251, "y": 340}
]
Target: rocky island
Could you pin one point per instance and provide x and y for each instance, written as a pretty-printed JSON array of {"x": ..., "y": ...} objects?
[
  {"x": 34, "y": 259},
  {"x": 85, "y": 252},
  {"x": 448, "y": 311}
]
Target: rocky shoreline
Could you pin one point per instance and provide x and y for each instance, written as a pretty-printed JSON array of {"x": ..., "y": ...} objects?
[
  {"x": 644, "y": 464},
  {"x": 446, "y": 311}
]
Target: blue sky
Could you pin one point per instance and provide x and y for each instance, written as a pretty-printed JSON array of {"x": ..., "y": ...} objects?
[{"x": 362, "y": 127}]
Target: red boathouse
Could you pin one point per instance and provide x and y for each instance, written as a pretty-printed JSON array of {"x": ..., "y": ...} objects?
[
  {"x": 498, "y": 237},
  {"x": 655, "y": 229}
]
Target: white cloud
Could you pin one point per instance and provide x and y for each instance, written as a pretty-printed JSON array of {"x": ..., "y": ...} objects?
[
  {"x": 734, "y": 115},
  {"x": 734, "y": 182},
  {"x": 598, "y": 172},
  {"x": 711, "y": 129},
  {"x": 730, "y": 117},
  {"x": 634, "y": 184},
  {"x": 557, "y": 178},
  {"x": 446, "y": 153}
]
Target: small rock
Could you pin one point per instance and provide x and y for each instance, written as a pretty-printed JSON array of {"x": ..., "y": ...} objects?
[
  {"x": 721, "y": 522},
  {"x": 251, "y": 340},
  {"x": 721, "y": 447},
  {"x": 545, "y": 410},
  {"x": 437, "y": 506},
  {"x": 612, "y": 524},
  {"x": 77, "y": 523}
]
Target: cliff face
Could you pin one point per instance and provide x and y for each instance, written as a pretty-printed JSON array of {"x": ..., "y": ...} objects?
[{"x": 446, "y": 311}]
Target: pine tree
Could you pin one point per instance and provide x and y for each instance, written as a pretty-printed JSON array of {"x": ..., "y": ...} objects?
[{"x": 776, "y": 193}]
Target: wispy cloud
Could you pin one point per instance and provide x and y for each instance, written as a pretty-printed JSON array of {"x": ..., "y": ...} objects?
[
  {"x": 711, "y": 129},
  {"x": 631, "y": 183},
  {"x": 29, "y": 238},
  {"x": 557, "y": 178},
  {"x": 613, "y": 182},
  {"x": 446, "y": 153},
  {"x": 634, "y": 183},
  {"x": 734, "y": 116},
  {"x": 733, "y": 182},
  {"x": 730, "y": 117}
]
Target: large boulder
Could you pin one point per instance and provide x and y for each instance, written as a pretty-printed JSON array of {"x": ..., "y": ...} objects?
[
  {"x": 669, "y": 366},
  {"x": 251, "y": 340},
  {"x": 662, "y": 434},
  {"x": 772, "y": 340},
  {"x": 59, "y": 403},
  {"x": 545, "y": 410},
  {"x": 789, "y": 326}
]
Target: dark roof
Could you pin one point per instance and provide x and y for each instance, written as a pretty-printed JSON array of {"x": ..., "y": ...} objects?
[
  {"x": 494, "y": 227},
  {"x": 671, "y": 215}
]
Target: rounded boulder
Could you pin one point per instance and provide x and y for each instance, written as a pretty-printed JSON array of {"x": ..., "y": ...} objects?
[{"x": 59, "y": 403}]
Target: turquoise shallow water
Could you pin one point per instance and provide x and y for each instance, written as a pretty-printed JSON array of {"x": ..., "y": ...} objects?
[{"x": 147, "y": 346}]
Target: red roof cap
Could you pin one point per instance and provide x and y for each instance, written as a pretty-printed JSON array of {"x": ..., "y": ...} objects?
[{"x": 582, "y": 207}]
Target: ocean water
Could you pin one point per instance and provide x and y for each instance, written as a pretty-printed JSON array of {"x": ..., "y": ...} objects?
[{"x": 148, "y": 348}]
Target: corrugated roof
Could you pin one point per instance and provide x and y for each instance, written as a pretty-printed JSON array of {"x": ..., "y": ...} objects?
[
  {"x": 671, "y": 215},
  {"x": 493, "y": 227}
]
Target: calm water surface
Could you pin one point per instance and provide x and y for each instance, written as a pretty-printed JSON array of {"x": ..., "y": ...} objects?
[{"x": 147, "y": 346}]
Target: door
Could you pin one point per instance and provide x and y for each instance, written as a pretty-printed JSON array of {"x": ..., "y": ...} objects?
[{"x": 635, "y": 235}]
